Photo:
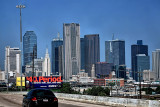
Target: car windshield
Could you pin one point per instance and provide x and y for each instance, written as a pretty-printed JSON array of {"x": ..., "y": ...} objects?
[{"x": 41, "y": 93}]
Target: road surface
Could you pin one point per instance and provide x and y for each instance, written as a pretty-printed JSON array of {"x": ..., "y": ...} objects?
[{"x": 10, "y": 100}]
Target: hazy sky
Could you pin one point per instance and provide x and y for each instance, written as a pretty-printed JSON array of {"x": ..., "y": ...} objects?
[{"x": 129, "y": 20}]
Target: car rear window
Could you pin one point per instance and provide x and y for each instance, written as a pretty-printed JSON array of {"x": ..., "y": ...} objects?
[{"x": 40, "y": 93}]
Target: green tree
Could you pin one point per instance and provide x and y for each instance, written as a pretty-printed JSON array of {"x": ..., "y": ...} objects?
[
  {"x": 97, "y": 91},
  {"x": 148, "y": 90},
  {"x": 107, "y": 91},
  {"x": 158, "y": 90},
  {"x": 66, "y": 88}
]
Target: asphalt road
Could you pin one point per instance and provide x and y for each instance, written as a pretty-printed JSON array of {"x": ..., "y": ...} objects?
[
  {"x": 9, "y": 100},
  {"x": 6, "y": 103}
]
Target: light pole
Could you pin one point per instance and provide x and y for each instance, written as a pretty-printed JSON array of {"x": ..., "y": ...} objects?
[{"x": 21, "y": 7}]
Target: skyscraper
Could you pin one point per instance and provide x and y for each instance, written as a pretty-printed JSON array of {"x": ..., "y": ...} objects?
[
  {"x": 103, "y": 69},
  {"x": 92, "y": 51},
  {"x": 138, "y": 48},
  {"x": 142, "y": 63},
  {"x": 82, "y": 54},
  {"x": 115, "y": 52},
  {"x": 156, "y": 63},
  {"x": 46, "y": 65},
  {"x": 71, "y": 47},
  {"x": 12, "y": 61},
  {"x": 60, "y": 60},
  {"x": 29, "y": 44},
  {"x": 55, "y": 54}
]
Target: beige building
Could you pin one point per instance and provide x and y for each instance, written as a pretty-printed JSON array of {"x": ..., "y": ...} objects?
[
  {"x": 2, "y": 75},
  {"x": 148, "y": 76},
  {"x": 71, "y": 47}
]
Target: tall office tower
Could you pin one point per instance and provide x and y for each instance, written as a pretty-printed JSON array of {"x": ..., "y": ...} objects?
[
  {"x": 71, "y": 47},
  {"x": 156, "y": 63},
  {"x": 103, "y": 69},
  {"x": 142, "y": 63},
  {"x": 115, "y": 52},
  {"x": 54, "y": 48},
  {"x": 82, "y": 54},
  {"x": 29, "y": 44},
  {"x": 12, "y": 61},
  {"x": 46, "y": 65},
  {"x": 138, "y": 48},
  {"x": 92, "y": 51}
]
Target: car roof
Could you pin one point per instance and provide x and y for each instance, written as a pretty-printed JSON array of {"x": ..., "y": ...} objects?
[{"x": 40, "y": 89}]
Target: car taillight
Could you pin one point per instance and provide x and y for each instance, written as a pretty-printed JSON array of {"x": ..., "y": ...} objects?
[
  {"x": 55, "y": 99},
  {"x": 34, "y": 99}
]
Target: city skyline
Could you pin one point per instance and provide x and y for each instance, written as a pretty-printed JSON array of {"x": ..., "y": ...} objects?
[{"x": 128, "y": 20}]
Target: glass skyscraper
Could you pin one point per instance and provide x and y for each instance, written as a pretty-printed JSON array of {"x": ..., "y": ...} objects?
[
  {"x": 92, "y": 51},
  {"x": 142, "y": 63},
  {"x": 71, "y": 47},
  {"x": 138, "y": 48},
  {"x": 55, "y": 54},
  {"x": 82, "y": 54},
  {"x": 115, "y": 52},
  {"x": 103, "y": 69},
  {"x": 29, "y": 44}
]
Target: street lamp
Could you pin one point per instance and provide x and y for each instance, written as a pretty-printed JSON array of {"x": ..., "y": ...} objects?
[{"x": 21, "y": 7}]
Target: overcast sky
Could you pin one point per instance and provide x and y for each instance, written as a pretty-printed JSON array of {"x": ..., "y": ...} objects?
[{"x": 129, "y": 20}]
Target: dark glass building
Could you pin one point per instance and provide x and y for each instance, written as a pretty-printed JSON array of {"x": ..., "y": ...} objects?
[
  {"x": 60, "y": 60},
  {"x": 55, "y": 55},
  {"x": 115, "y": 52},
  {"x": 92, "y": 51},
  {"x": 82, "y": 53},
  {"x": 138, "y": 48},
  {"x": 142, "y": 63},
  {"x": 120, "y": 71},
  {"x": 29, "y": 44},
  {"x": 103, "y": 69}
]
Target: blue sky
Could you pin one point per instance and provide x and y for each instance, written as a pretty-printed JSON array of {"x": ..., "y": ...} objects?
[{"x": 129, "y": 20}]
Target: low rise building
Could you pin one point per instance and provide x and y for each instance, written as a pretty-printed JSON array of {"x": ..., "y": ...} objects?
[
  {"x": 99, "y": 82},
  {"x": 148, "y": 76},
  {"x": 116, "y": 81}
]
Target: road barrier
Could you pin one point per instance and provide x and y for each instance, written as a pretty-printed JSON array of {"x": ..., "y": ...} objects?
[{"x": 112, "y": 101}]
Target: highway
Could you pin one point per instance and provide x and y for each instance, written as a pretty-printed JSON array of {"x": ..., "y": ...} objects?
[{"x": 9, "y": 100}]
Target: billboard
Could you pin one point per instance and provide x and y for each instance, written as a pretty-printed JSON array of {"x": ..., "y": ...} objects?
[
  {"x": 18, "y": 81},
  {"x": 44, "y": 82}
]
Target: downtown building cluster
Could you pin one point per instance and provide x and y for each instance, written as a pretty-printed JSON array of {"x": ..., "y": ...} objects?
[{"x": 78, "y": 59}]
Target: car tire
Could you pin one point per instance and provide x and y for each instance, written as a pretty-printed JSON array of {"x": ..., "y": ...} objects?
[
  {"x": 23, "y": 105},
  {"x": 29, "y": 105}
]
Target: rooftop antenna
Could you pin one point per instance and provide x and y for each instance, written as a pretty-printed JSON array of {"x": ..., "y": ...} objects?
[
  {"x": 58, "y": 35},
  {"x": 113, "y": 36},
  {"x": 47, "y": 49}
]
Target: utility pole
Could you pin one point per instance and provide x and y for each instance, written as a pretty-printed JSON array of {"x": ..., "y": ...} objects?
[
  {"x": 21, "y": 7},
  {"x": 7, "y": 61},
  {"x": 140, "y": 96},
  {"x": 33, "y": 70}
]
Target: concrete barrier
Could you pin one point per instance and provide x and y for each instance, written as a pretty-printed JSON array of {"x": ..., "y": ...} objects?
[{"x": 112, "y": 101}]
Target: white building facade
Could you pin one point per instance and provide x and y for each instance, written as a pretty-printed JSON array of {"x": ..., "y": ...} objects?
[
  {"x": 46, "y": 65},
  {"x": 12, "y": 61},
  {"x": 156, "y": 63}
]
